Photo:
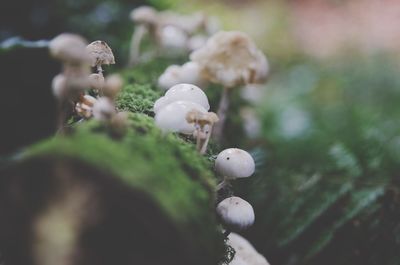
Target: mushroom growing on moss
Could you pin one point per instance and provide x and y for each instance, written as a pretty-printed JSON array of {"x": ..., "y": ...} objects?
[
  {"x": 172, "y": 117},
  {"x": 235, "y": 214},
  {"x": 84, "y": 108},
  {"x": 100, "y": 53},
  {"x": 244, "y": 251},
  {"x": 204, "y": 123},
  {"x": 183, "y": 92},
  {"x": 233, "y": 163},
  {"x": 189, "y": 73},
  {"x": 232, "y": 59},
  {"x": 104, "y": 109}
]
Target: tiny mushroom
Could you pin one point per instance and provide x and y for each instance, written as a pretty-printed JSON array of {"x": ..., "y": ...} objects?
[
  {"x": 189, "y": 73},
  {"x": 203, "y": 123},
  {"x": 100, "y": 53},
  {"x": 231, "y": 59},
  {"x": 96, "y": 81},
  {"x": 113, "y": 85},
  {"x": 233, "y": 163},
  {"x": 85, "y": 105},
  {"x": 172, "y": 40},
  {"x": 103, "y": 109},
  {"x": 183, "y": 92},
  {"x": 172, "y": 117},
  {"x": 235, "y": 214}
]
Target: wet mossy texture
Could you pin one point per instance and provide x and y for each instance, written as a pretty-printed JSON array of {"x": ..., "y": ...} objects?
[{"x": 155, "y": 181}]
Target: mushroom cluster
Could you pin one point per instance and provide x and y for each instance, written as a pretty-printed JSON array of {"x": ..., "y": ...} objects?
[
  {"x": 184, "y": 109},
  {"x": 228, "y": 58},
  {"x": 73, "y": 85},
  {"x": 171, "y": 32},
  {"x": 234, "y": 212}
]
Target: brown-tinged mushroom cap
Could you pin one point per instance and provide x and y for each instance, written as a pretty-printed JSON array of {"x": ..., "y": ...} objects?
[
  {"x": 195, "y": 116},
  {"x": 100, "y": 53},
  {"x": 69, "y": 48}
]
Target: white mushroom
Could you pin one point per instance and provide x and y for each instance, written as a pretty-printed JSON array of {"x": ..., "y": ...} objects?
[
  {"x": 144, "y": 15},
  {"x": 197, "y": 41},
  {"x": 183, "y": 92},
  {"x": 113, "y": 85},
  {"x": 189, "y": 73},
  {"x": 172, "y": 40},
  {"x": 172, "y": 117},
  {"x": 103, "y": 109},
  {"x": 69, "y": 48},
  {"x": 204, "y": 123},
  {"x": 245, "y": 252},
  {"x": 96, "y": 81},
  {"x": 235, "y": 163},
  {"x": 235, "y": 213},
  {"x": 231, "y": 59}
]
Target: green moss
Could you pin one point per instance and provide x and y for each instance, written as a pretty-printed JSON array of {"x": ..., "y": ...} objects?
[{"x": 137, "y": 98}]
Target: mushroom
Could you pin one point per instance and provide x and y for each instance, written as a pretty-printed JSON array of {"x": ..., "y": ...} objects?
[
  {"x": 187, "y": 73},
  {"x": 235, "y": 214},
  {"x": 244, "y": 251},
  {"x": 103, "y": 109},
  {"x": 113, "y": 85},
  {"x": 100, "y": 53},
  {"x": 68, "y": 86},
  {"x": 69, "y": 48},
  {"x": 146, "y": 19},
  {"x": 233, "y": 163},
  {"x": 85, "y": 105},
  {"x": 172, "y": 40},
  {"x": 172, "y": 117},
  {"x": 183, "y": 92},
  {"x": 96, "y": 81},
  {"x": 196, "y": 42},
  {"x": 230, "y": 59},
  {"x": 204, "y": 123}
]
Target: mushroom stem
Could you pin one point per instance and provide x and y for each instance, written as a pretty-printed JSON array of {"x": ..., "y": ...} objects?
[
  {"x": 222, "y": 111},
  {"x": 99, "y": 69},
  {"x": 221, "y": 185},
  {"x": 198, "y": 141},
  {"x": 205, "y": 144},
  {"x": 136, "y": 40}
]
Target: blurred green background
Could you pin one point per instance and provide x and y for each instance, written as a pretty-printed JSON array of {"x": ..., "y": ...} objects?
[{"x": 327, "y": 134}]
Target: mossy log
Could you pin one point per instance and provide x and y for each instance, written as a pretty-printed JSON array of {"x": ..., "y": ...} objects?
[{"x": 145, "y": 198}]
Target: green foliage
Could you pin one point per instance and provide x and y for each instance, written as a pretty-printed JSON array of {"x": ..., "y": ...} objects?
[{"x": 330, "y": 134}]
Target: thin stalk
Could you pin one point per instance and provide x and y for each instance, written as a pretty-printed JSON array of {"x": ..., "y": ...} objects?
[
  {"x": 222, "y": 111},
  {"x": 134, "y": 52},
  {"x": 203, "y": 149}
]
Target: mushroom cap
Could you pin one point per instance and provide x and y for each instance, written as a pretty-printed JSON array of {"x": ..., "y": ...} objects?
[
  {"x": 144, "y": 15},
  {"x": 245, "y": 252},
  {"x": 190, "y": 23},
  {"x": 189, "y": 73},
  {"x": 59, "y": 85},
  {"x": 235, "y": 163},
  {"x": 69, "y": 48},
  {"x": 172, "y": 117},
  {"x": 183, "y": 92},
  {"x": 230, "y": 58},
  {"x": 236, "y": 213},
  {"x": 173, "y": 40},
  {"x": 96, "y": 81},
  {"x": 100, "y": 53},
  {"x": 201, "y": 118},
  {"x": 103, "y": 109},
  {"x": 113, "y": 85}
]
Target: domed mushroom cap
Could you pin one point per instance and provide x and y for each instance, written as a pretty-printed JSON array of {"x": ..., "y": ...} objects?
[
  {"x": 189, "y": 73},
  {"x": 96, "y": 81},
  {"x": 172, "y": 117},
  {"x": 236, "y": 213},
  {"x": 230, "y": 58},
  {"x": 183, "y": 92},
  {"x": 113, "y": 86},
  {"x": 103, "y": 109},
  {"x": 235, "y": 163},
  {"x": 173, "y": 40},
  {"x": 144, "y": 15},
  {"x": 245, "y": 252},
  {"x": 69, "y": 48},
  {"x": 100, "y": 53}
]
